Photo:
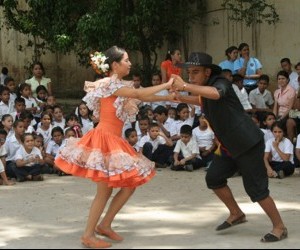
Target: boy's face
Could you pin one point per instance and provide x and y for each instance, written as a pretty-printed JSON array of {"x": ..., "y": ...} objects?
[
  {"x": 198, "y": 75},
  {"x": 42, "y": 94},
  {"x": 154, "y": 132},
  {"x": 133, "y": 138},
  {"x": 185, "y": 138},
  {"x": 27, "y": 122},
  {"x": 2, "y": 139},
  {"x": 20, "y": 106},
  {"x": 57, "y": 137},
  {"x": 57, "y": 114},
  {"x": 262, "y": 85}
]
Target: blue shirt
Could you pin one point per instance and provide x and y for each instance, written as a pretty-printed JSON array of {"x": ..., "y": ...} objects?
[
  {"x": 252, "y": 66},
  {"x": 228, "y": 65}
]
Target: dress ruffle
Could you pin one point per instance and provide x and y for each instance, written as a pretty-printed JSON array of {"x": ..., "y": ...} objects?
[
  {"x": 102, "y": 156},
  {"x": 127, "y": 108}
]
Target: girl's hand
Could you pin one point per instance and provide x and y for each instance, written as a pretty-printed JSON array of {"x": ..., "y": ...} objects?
[
  {"x": 178, "y": 83},
  {"x": 169, "y": 84},
  {"x": 276, "y": 143}
]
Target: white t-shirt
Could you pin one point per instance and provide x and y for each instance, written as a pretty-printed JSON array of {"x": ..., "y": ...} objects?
[
  {"x": 23, "y": 155},
  {"x": 204, "y": 138},
  {"x": 155, "y": 143},
  {"x": 285, "y": 146},
  {"x": 187, "y": 149}
]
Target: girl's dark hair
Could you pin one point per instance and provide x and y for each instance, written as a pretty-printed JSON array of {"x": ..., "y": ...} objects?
[
  {"x": 242, "y": 45},
  {"x": 16, "y": 122},
  {"x": 114, "y": 54},
  {"x": 41, "y": 87},
  {"x": 90, "y": 112},
  {"x": 26, "y": 134},
  {"x": 170, "y": 53},
  {"x": 36, "y": 135},
  {"x": 230, "y": 49},
  {"x": 283, "y": 73},
  {"x": 3, "y": 132},
  {"x": 41, "y": 66},
  {"x": 21, "y": 87},
  {"x": 5, "y": 116},
  {"x": 279, "y": 124},
  {"x": 71, "y": 116},
  {"x": 47, "y": 113}
]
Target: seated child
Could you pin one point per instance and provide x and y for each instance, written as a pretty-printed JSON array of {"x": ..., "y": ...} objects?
[
  {"x": 156, "y": 146},
  {"x": 279, "y": 153},
  {"x": 132, "y": 138},
  {"x": 186, "y": 152},
  {"x": 29, "y": 160},
  {"x": 3, "y": 178}
]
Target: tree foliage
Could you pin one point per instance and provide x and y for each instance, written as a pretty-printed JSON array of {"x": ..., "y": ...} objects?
[
  {"x": 251, "y": 11},
  {"x": 137, "y": 25}
]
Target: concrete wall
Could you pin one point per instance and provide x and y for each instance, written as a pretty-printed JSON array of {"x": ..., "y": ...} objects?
[{"x": 269, "y": 43}]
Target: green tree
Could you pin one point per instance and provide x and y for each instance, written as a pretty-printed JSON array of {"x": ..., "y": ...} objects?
[{"x": 251, "y": 11}]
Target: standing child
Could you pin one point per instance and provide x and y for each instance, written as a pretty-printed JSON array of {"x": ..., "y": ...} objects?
[
  {"x": 186, "y": 151},
  {"x": 29, "y": 160},
  {"x": 3, "y": 178},
  {"x": 281, "y": 152},
  {"x": 46, "y": 127}
]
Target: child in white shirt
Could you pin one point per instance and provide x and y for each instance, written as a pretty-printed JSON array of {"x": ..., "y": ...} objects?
[
  {"x": 186, "y": 152},
  {"x": 29, "y": 160},
  {"x": 281, "y": 152},
  {"x": 3, "y": 178}
]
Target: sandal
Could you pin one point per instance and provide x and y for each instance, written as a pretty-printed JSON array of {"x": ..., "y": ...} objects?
[
  {"x": 270, "y": 237},
  {"x": 94, "y": 243},
  {"x": 226, "y": 224},
  {"x": 109, "y": 233}
]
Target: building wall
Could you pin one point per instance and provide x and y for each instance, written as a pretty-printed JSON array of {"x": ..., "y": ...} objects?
[{"x": 269, "y": 43}]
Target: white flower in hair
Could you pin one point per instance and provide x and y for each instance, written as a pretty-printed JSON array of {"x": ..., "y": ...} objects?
[{"x": 98, "y": 60}]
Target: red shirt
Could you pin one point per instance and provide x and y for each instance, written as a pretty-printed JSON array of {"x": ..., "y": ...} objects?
[{"x": 170, "y": 68}]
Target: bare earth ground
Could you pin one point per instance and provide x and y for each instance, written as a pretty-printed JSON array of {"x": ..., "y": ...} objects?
[{"x": 173, "y": 211}]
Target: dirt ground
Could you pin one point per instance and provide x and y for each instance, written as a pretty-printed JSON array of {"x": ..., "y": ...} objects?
[{"x": 173, "y": 211}]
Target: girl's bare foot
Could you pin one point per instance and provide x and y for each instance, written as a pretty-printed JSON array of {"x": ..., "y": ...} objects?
[
  {"x": 93, "y": 242},
  {"x": 108, "y": 233}
]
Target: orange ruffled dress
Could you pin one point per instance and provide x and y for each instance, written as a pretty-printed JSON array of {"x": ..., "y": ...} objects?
[{"x": 102, "y": 154}]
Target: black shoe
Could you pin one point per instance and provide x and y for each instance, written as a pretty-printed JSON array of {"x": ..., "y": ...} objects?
[{"x": 226, "y": 224}]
